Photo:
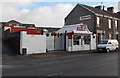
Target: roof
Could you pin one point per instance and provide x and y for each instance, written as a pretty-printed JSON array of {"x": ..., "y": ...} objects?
[
  {"x": 28, "y": 25},
  {"x": 13, "y": 21},
  {"x": 118, "y": 14},
  {"x": 98, "y": 11},
  {"x": 50, "y": 29},
  {"x": 2, "y": 23}
]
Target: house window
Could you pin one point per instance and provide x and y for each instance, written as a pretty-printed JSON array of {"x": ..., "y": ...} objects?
[
  {"x": 98, "y": 21},
  {"x": 110, "y": 36},
  {"x": 116, "y": 24},
  {"x": 109, "y": 23}
]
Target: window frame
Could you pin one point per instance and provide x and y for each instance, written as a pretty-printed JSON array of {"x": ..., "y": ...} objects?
[
  {"x": 109, "y": 23},
  {"x": 116, "y": 24},
  {"x": 98, "y": 21}
]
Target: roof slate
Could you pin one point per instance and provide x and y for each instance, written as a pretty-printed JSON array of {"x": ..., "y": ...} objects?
[{"x": 98, "y": 11}]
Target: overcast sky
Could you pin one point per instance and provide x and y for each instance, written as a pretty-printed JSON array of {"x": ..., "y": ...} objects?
[{"x": 42, "y": 13}]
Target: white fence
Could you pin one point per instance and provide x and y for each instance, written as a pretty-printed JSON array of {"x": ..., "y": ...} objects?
[
  {"x": 50, "y": 43},
  {"x": 59, "y": 42},
  {"x": 55, "y": 43}
]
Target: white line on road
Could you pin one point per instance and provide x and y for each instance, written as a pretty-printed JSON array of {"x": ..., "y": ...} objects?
[
  {"x": 54, "y": 74},
  {"x": 100, "y": 64},
  {"x": 9, "y": 66}
]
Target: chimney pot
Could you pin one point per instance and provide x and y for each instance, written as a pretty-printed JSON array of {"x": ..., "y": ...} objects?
[
  {"x": 99, "y": 7},
  {"x": 110, "y": 9},
  {"x": 118, "y": 13}
]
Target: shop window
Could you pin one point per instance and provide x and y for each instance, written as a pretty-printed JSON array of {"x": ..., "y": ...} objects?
[
  {"x": 87, "y": 39},
  {"x": 76, "y": 40}
]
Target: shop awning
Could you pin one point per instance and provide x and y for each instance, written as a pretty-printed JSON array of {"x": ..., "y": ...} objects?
[{"x": 76, "y": 28}]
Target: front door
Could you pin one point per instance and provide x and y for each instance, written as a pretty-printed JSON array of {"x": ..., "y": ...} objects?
[{"x": 81, "y": 44}]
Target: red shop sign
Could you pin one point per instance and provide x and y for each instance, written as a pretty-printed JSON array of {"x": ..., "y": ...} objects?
[{"x": 85, "y": 17}]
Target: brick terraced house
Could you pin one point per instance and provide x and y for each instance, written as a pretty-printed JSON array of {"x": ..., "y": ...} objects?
[{"x": 104, "y": 23}]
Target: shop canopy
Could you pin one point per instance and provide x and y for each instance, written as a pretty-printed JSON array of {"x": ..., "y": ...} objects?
[{"x": 76, "y": 28}]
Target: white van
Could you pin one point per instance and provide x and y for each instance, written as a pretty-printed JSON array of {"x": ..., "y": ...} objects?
[{"x": 108, "y": 45}]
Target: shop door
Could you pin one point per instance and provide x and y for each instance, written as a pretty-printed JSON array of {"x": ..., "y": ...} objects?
[{"x": 81, "y": 44}]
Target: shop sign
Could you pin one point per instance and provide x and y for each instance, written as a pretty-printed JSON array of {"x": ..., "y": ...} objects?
[
  {"x": 82, "y": 28},
  {"x": 85, "y": 17}
]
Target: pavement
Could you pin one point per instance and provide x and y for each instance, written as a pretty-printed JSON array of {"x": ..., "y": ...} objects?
[
  {"x": 62, "y": 64},
  {"x": 10, "y": 59}
]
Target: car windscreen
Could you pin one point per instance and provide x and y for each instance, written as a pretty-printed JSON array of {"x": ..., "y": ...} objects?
[{"x": 104, "y": 42}]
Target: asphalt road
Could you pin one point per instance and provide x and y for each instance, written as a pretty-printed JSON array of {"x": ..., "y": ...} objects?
[{"x": 97, "y": 64}]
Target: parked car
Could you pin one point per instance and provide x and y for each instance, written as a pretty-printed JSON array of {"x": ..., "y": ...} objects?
[{"x": 108, "y": 45}]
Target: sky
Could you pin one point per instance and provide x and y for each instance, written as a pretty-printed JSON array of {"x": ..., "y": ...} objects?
[{"x": 44, "y": 13}]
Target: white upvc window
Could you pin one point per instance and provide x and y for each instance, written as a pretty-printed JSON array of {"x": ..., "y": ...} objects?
[
  {"x": 109, "y": 23},
  {"x": 98, "y": 21},
  {"x": 116, "y": 24}
]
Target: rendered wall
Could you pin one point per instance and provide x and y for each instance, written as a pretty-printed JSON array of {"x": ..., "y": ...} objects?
[
  {"x": 33, "y": 43},
  {"x": 93, "y": 42}
]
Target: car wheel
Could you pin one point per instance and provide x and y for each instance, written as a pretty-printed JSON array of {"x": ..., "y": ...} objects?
[
  {"x": 108, "y": 50},
  {"x": 116, "y": 50}
]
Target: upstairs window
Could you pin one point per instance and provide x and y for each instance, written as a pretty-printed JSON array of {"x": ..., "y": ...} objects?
[
  {"x": 109, "y": 24},
  {"x": 98, "y": 21},
  {"x": 116, "y": 24}
]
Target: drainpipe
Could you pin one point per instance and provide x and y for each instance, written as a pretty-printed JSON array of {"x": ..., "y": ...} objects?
[
  {"x": 103, "y": 29},
  {"x": 114, "y": 28},
  {"x": 65, "y": 40}
]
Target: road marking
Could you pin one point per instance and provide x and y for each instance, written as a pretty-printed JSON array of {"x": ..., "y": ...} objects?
[
  {"x": 9, "y": 66},
  {"x": 6, "y": 66},
  {"x": 99, "y": 65},
  {"x": 54, "y": 74}
]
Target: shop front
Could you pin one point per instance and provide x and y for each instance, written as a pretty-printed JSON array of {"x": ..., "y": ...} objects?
[{"x": 78, "y": 37}]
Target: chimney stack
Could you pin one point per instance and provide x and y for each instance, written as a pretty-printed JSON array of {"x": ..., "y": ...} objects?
[
  {"x": 99, "y": 7},
  {"x": 118, "y": 14},
  {"x": 110, "y": 9}
]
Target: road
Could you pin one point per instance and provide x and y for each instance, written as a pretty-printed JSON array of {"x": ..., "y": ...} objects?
[{"x": 97, "y": 64}]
